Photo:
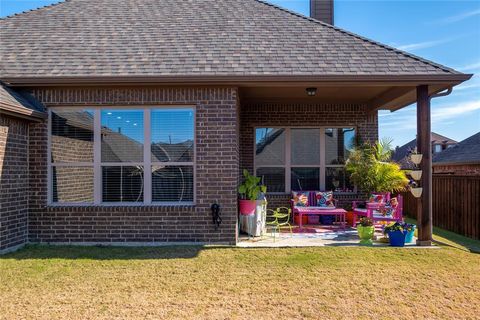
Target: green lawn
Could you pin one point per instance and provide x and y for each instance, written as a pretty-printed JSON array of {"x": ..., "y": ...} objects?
[
  {"x": 445, "y": 237},
  {"x": 41, "y": 282}
]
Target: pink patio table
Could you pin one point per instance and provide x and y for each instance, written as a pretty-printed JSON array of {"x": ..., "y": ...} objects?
[{"x": 337, "y": 212}]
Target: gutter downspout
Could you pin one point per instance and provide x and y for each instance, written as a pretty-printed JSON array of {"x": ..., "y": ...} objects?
[{"x": 441, "y": 94}]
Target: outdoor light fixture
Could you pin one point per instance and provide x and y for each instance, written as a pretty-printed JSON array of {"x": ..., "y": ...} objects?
[{"x": 311, "y": 92}]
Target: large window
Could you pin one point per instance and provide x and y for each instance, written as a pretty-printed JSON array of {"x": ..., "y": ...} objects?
[
  {"x": 303, "y": 158},
  {"x": 121, "y": 156}
]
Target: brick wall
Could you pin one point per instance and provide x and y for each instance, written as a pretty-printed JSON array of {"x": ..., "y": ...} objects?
[
  {"x": 217, "y": 167},
  {"x": 315, "y": 115},
  {"x": 13, "y": 182}
]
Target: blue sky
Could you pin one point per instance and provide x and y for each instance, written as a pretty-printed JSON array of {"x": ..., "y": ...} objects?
[{"x": 447, "y": 32}]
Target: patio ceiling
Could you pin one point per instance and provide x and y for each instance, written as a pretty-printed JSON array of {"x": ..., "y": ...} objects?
[{"x": 378, "y": 96}]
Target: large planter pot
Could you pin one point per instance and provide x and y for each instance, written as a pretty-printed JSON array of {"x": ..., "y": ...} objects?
[
  {"x": 349, "y": 218},
  {"x": 397, "y": 238},
  {"x": 247, "y": 207},
  {"x": 409, "y": 236},
  {"x": 327, "y": 220},
  {"x": 365, "y": 234},
  {"x": 296, "y": 219}
]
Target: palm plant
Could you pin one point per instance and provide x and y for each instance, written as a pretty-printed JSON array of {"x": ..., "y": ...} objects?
[{"x": 372, "y": 169}]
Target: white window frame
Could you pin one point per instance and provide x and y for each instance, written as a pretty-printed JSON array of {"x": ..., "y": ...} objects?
[
  {"x": 288, "y": 156},
  {"x": 97, "y": 164}
]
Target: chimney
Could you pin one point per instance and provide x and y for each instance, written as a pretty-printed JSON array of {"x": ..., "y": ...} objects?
[{"x": 322, "y": 10}]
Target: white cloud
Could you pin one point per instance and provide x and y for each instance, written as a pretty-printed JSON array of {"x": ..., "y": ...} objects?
[
  {"x": 451, "y": 111},
  {"x": 470, "y": 67},
  {"x": 459, "y": 17},
  {"x": 407, "y": 118},
  {"x": 425, "y": 44}
]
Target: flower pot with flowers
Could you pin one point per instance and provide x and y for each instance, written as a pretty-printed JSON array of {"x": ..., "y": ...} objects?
[
  {"x": 365, "y": 229},
  {"x": 396, "y": 234}
]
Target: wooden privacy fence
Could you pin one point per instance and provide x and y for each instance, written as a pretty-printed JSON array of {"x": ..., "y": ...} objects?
[{"x": 456, "y": 204}]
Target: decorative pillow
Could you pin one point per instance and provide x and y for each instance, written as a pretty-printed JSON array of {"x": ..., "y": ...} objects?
[
  {"x": 324, "y": 199},
  {"x": 300, "y": 198},
  {"x": 377, "y": 198},
  {"x": 393, "y": 202},
  {"x": 390, "y": 206}
]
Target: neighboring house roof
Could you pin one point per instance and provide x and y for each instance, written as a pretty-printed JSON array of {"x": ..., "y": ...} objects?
[
  {"x": 111, "y": 38},
  {"x": 401, "y": 153},
  {"x": 19, "y": 103},
  {"x": 439, "y": 139},
  {"x": 465, "y": 152}
]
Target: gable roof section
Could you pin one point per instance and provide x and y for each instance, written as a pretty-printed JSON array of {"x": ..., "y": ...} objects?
[
  {"x": 20, "y": 104},
  {"x": 172, "y": 38},
  {"x": 466, "y": 151}
]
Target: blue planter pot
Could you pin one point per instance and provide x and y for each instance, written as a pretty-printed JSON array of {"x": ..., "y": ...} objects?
[
  {"x": 397, "y": 238},
  {"x": 409, "y": 236},
  {"x": 327, "y": 220}
]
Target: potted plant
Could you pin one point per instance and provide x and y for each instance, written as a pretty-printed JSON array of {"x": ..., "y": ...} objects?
[
  {"x": 366, "y": 230},
  {"x": 410, "y": 228},
  {"x": 250, "y": 190},
  {"x": 396, "y": 234},
  {"x": 372, "y": 170}
]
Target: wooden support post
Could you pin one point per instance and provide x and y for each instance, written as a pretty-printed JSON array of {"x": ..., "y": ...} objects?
[{"x": 424, "y": 146}]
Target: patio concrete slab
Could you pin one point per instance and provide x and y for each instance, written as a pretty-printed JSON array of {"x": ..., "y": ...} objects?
[{"x": 318, "y": 238}]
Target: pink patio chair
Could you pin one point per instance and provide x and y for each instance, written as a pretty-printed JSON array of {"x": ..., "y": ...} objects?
[
  {"x": 376, "y": 213},
  {"x": 373, "y": 204}
]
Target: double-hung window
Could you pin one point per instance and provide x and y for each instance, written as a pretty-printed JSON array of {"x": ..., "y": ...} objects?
[
  {"x": 117, "y": 156},
  {"x": 303, "y": 158}
]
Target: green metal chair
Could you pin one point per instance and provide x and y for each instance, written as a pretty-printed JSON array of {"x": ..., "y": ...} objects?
[{"x": 279, "y": 219}]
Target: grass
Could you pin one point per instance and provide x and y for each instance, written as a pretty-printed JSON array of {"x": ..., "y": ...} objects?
[
  {"x": 42, "y": 282},
  {"x": 452, "y": 239}
]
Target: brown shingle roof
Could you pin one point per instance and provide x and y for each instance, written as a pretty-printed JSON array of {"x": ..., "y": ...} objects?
[
  {"x": 19, "y": 103},
  {"x": 189, "y": 37},
  {"x": 400, "y": 154},
  {"x": 466, "y": 151}
]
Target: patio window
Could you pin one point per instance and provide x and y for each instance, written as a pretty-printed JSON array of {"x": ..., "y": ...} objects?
[
  {"x": 303, "y": 158},
  {"x": 121, "y": 156}
]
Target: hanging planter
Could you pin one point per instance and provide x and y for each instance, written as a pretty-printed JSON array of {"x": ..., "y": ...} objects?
[
  {"x": 416, "y": 192},
  {"x": 416, "y": 174},
  {"x": 416, "y": 158}
]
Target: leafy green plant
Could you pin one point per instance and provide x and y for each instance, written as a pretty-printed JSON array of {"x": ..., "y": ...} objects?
[
  {"x": 251, "y": 187},
  {"x": 372, "y": 170},
  {"x": 395, "y": 226}
]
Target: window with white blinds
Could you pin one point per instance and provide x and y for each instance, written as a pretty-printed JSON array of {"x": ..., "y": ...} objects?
[{"x": 122, "y": 156}]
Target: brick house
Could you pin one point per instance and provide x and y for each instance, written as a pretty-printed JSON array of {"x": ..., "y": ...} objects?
[
  {"x": 463, "y": 159},
  {"x": 123, "y": 121}
]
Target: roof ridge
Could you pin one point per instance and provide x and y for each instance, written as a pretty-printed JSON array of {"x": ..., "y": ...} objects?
[
  {"x": 407, "y": 54},
  {"x": 35, "y": 9},
  {"x": 442, "y": 136}
]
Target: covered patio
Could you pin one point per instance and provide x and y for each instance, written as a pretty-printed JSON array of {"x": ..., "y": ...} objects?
[{"x": 296, "y": 107}]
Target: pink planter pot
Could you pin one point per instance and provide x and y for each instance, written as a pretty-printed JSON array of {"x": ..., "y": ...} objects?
[{"x": 247, "y": 207}]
